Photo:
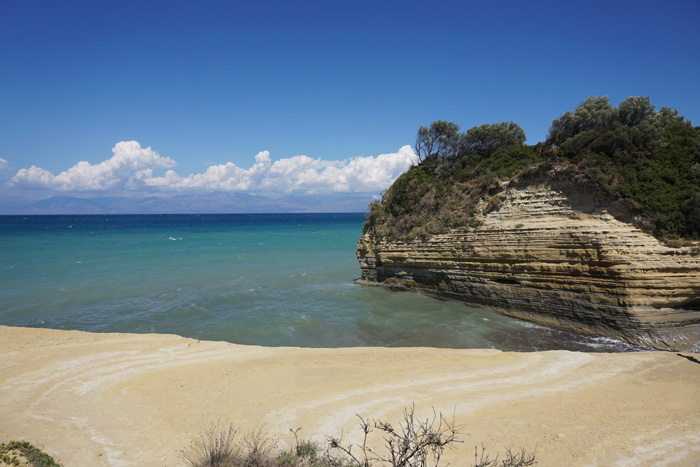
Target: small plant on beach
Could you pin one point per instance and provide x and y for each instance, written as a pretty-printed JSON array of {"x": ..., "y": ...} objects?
[
  {"x": 520, "y": 458},
  {"x": 217, "y": 447},
  {"x": 413, "y": 442},
  {"x": 309, "y": 453},
  {"x": 22, "y": 453}
]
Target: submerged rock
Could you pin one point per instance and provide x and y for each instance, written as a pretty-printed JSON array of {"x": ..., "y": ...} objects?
[{"x": 559, "y": 252}]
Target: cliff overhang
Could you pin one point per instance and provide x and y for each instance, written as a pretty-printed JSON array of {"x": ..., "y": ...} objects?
[{"x": 559, "y": 249}]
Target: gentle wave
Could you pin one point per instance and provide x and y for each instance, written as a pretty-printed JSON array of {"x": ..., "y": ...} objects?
[{"x": 275, "y": 280}]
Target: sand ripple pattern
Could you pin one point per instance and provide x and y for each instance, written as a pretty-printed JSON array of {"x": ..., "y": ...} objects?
[{"x": 121, "y": 400}]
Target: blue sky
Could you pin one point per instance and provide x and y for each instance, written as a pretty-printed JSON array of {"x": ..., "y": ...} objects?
[{"x": 229, "y": 95}]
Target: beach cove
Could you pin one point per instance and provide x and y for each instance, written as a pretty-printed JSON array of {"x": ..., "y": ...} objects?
[
  {"x": 139, "y": 399},
  {"x": 276, "y": 280}
]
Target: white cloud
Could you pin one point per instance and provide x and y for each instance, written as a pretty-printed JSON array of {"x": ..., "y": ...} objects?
[
  {"x": 3, "y": 164},
  {"x": 129, "y": 165},
  {"x": 131, "y": 168},
  {"x": 297, "y": 174}
]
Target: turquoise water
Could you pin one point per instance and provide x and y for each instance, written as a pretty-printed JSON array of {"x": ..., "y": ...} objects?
[{"x": 273, "y": 280}]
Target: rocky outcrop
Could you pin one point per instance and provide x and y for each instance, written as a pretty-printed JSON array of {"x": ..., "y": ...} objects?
[{"x": 556, "y": 251}]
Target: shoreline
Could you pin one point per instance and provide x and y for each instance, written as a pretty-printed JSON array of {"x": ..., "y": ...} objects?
[{"x": 139, "y": 399}]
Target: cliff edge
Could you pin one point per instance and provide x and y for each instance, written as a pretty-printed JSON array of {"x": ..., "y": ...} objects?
[{"x": 555, "y": 250}]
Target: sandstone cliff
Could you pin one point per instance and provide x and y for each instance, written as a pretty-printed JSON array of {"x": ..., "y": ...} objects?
[{"x": 556, "y": 251}]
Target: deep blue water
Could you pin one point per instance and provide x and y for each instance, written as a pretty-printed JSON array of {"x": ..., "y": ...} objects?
[{"x": 265, "y": 279}]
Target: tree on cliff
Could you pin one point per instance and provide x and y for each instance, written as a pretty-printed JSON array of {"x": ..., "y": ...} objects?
[
  {"x": 438, "y": 141},
  {"x": 486, "y": 139},
  {"x": 650, "y": 157},
  {"x": 597, "y": 127},
  {"x": 443, "y": 150}
]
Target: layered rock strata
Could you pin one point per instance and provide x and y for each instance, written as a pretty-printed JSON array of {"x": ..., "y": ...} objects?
[{"x": 559, "y": 253}]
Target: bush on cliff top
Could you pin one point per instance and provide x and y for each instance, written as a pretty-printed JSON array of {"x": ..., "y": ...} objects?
[{"x": 649, "y": 157}]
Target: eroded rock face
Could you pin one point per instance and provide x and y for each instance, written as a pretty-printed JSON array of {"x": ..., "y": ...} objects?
[{"x": 556, "y": 253}]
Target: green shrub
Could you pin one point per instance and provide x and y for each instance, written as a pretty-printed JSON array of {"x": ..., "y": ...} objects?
[
  {"x": 649, "y": 157},
  {"x": 508, "y": 161},
  {"x": 34, "y": 456}
]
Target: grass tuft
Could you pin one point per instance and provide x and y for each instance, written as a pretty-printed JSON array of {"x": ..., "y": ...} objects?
[{"x": 414, "y": 442}]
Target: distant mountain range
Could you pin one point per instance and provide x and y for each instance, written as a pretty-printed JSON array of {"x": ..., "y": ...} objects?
[{"x": 185, "y": 204}]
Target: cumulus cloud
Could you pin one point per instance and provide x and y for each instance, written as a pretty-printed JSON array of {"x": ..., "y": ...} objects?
[
  {"x": 129, "y": 165},
  {"x": 3, "y": 164},
  {"x": 132, "y": 167},
  {"x": 297, "y": 174}
]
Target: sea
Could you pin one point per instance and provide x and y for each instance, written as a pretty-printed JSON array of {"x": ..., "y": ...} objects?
[{"x": 259, "y": 279}]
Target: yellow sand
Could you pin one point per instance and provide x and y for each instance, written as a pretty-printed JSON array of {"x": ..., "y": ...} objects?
[{"x": 125, "y": 399}]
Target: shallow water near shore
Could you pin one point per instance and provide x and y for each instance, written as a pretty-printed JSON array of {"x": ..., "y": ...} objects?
[{"x": 261, "y": 279}]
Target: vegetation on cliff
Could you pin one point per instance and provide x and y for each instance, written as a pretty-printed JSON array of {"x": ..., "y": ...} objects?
[{"x": 647, "y": 156}]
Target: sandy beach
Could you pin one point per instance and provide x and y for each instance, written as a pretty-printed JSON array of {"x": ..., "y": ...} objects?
[{"x": 127, "y": 399}]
